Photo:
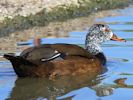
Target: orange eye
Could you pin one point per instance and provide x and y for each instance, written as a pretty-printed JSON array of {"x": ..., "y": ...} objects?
[{"x": 105, "y": 29}]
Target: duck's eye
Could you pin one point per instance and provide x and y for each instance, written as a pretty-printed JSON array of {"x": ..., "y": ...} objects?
[{"x": 102, "y": 25}]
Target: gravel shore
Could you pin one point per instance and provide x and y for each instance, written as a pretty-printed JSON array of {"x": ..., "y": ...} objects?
[{"x": 12, "y": 8}]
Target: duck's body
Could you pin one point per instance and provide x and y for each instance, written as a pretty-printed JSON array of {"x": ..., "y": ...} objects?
[
  {"x": 41, "y": 61},
  {"x": 50, "y": 60}
]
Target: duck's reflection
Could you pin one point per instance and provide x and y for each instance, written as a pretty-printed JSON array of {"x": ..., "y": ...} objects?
[{"x": 35, "y": 88}]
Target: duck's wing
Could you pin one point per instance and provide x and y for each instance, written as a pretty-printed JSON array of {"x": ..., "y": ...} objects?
[
  {"x": 49, "y": 52},
  {"x": 70, "y": 49},
  {"x": 56, "y": 56},
  {"x": 40, "y": 53}
]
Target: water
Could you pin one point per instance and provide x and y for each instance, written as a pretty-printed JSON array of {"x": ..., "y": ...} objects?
[{"x": 83, "y": 87}]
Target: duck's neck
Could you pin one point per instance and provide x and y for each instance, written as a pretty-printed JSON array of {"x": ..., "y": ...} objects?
[{"x": 94, "y": 48}]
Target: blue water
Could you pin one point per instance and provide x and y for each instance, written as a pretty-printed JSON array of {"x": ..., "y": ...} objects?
[{"x": 103, "y": 87}]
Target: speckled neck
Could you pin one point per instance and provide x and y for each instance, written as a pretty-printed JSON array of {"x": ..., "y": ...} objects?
[
  {"x": 93, "y": 48},
  {"x": 93, "y": 44}
]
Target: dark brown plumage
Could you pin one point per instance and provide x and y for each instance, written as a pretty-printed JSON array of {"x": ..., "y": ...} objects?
[
  {"x": 77, "y": 60},
  {"x": 50, "y": 60}
]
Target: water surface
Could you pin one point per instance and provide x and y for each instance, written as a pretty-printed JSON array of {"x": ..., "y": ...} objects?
[{"x": 83, "y": 87}]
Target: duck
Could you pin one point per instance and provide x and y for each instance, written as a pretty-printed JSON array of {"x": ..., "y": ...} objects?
[{"x": 60, "y": 59}]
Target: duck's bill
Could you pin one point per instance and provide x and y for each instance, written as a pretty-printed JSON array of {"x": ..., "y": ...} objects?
[{"x": 115, "y": 38}]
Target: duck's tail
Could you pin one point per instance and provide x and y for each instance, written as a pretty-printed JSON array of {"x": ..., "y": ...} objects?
[
  {"x": 16, "y": 59},
  {"x": 9, "y": 56}
]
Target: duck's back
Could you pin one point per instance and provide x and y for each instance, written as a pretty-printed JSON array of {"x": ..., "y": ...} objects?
[{"x": 48, "y": 50}]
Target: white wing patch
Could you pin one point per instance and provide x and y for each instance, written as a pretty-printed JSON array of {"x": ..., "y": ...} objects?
[{"x": 57, "y": 54}]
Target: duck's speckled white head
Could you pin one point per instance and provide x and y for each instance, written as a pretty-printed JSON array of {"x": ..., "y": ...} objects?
[{"x": 99, "y": 33}]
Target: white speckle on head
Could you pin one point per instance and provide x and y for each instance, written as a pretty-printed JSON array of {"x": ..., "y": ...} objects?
[
  {"x": 111, "y": 34},
  {"x": 103, "y": 28}
]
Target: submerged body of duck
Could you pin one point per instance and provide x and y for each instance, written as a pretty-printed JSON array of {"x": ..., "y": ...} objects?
[{"x": 50, "y": 60}]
